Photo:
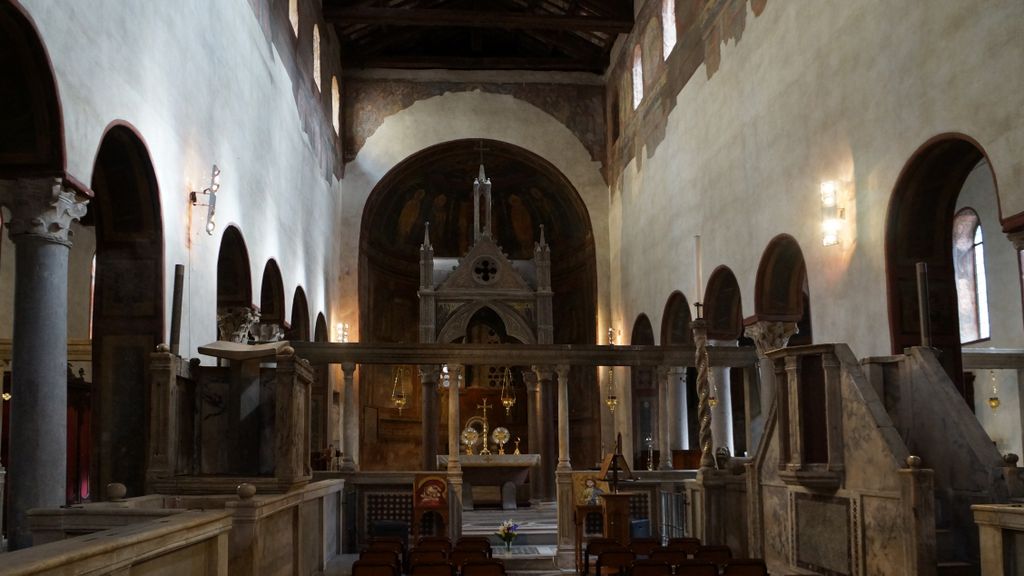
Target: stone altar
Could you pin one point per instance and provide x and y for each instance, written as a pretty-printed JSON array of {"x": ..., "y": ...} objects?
[{"x": 505, "y": 470}]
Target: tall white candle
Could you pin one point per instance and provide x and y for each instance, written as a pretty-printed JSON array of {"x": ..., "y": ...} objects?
[{"x": 700, "y": 267}]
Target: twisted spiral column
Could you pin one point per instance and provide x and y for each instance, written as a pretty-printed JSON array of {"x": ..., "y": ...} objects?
[{"x": 700, "y": 339}]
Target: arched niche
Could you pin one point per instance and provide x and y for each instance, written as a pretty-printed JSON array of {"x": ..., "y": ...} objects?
[
  {"x": 299, "y": 329},
  {"x": 435, "y": 185},
  {"x": 781, "y": 289},
  {"x": 128, "y": 309},
  {"x": 675, "y": 322},
  {"x": 643, "y": 395},
  {"x": 272, "y": 295},
  {"x": 30, "y": 114},
  {"x": 919, "y": 228},
  {"x": 320, "y": 331},
  {"x": 722, "y": 305},
  {"x": 456, "y": 329},
  {"x": 234, "y": 283}
]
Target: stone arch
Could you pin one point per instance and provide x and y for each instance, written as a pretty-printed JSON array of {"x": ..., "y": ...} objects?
[
  {"x": 643, "y": 394},
  {"x": 272, "y": 295},
  {"x": 30, "y": 112},
  {"x": 128, "y": 310},
  {"x": 919, "y": 228},
  {"x": 299, "y": 329},
  {"x": 781, "y": 292},
  {"x": 675, "y": 322},
  {"x": 234, "y": 282},
  {"x": 515, "y": 325},
  {"x": 320, "y": 331},
  {"x": 722, "y": 305}
]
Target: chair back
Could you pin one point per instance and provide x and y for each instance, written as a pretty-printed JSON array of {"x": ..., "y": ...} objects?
[
  {"x": 614, "y": 562},
  {"x": 395, "y": 547},
  {"x": 717, "y": 554},
  {"x": 669, "y": 556},
  {"x": 483, "y": 568},
  {"x": 432, "y": 569},
  {"x": 381, "y": 557},
  {"x": 460, "y": 556},
  {"x": 686, "y": 544},
  {"x": 643, "y": 547},
  {"x": 594, "y": 547},
  {"x": 367, "y": 568},
  {"x": 649, "y": 567},
  {"x": 746, "y": 567},
  {"x": 696, "y": 568},
  {"x": 419, "y": 556},
  {"x": 480, "y": 546},
  {"x": 434, "y": 543}
]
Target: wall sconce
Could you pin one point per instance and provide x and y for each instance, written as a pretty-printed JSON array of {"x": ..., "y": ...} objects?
[
  {"x": 211, "y": 199},
  {"x": 341, "y": 332},
  {"x": 832, "y": 216}
]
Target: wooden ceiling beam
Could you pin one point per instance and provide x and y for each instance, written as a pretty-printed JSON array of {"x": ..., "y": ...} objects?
[
  {"x": 343, "y": 16},
  {"x": 481, "y": 63}
]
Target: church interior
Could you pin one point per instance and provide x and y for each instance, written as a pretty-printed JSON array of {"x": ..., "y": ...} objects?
[{"x": 288, "y": 285}]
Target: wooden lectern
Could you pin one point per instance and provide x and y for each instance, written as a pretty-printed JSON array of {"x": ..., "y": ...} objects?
[{"x": 615, "y": 506}]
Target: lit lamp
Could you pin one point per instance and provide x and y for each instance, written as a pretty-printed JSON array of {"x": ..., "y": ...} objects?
[
  {"x": 341, "y": 332},
  {"x": 612, "y": 401},
  {"x": 211, "y": 199},
  {"x": 399, "y": 397},
  {"x": 508, "y": 394},
  {"x": 832, "y": 216},
  {"x": 993, "y": 401}
]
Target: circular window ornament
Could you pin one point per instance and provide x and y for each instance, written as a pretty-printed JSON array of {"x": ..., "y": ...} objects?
[{"x": 485, "y": 270}]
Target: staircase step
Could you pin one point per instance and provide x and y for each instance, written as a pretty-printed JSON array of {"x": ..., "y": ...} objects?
[{"x": 957, "y": 569}]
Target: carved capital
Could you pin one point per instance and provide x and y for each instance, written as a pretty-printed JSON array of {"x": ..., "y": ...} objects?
[
  {"x": 1017, "y": 238},
  {"x": 768, "y": 336},
  {"x": 41, "y": 208}
]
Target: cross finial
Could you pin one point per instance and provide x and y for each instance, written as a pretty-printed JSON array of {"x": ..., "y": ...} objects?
[
  {"x": 484, "y": 407},
  {"x": 480, "y": 148}
]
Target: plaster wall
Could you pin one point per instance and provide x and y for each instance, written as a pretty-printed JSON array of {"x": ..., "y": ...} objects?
[
  {"x": 812, "y": 92},
  {"x": 454, "y": 116},
  {"x": 201, "y": 84}
]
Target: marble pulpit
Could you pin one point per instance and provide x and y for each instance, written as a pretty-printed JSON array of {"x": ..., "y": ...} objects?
[{"x": 504, "y": 470}]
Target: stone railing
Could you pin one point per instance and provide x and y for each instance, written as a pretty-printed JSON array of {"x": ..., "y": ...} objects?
[
  {"x": 300, "y": 529},
  {"x": 189, "y": 542}
]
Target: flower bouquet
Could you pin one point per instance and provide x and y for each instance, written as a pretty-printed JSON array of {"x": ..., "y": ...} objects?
[{"x": 507, "y": 531}]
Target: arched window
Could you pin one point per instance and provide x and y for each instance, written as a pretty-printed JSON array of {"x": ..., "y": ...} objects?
[
  {"x": 335, "y": 105},
  {"x": 638, "y": 76},
  {"x": 668, "y": 27},
  {"x": 293, "y": 15},
  {"x": 316, "y": 56},
  {"x": 969, "y": 271}
]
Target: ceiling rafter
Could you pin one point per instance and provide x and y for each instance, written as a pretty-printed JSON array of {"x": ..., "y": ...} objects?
[{"x": 444, "y": 17}]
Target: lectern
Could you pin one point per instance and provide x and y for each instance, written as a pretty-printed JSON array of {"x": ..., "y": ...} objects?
[{"x": 615, "y": 506}]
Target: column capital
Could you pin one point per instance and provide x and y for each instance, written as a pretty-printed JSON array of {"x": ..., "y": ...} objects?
[
  {"x": 1017, "y": 238},
  {"x": 429, "y": 373},
  {"x": 543, "y": 373},
  {"x": 768, "y": 336},
  {"x": 41, "y": 208},
  {"x": 349, "y": 368}
]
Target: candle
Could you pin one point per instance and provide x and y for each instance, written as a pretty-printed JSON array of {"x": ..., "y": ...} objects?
[{"x": 700, "y": 267}]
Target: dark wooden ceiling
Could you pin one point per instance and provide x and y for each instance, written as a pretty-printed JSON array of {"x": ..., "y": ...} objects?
[{"x": 567, "y": 35}]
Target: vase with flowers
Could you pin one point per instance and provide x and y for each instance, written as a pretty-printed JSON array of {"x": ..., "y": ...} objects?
[{"x": 507, "y": 531}]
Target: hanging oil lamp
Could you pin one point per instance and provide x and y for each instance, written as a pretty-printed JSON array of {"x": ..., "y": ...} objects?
[
  {"x": 508, "y": 394},
  {"x": 993, "y": 401},
  {"x": 399, "y": 397}
]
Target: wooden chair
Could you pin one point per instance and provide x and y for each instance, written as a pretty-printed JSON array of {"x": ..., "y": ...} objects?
[
  {"x": 365, "y": 568},
  {"x": 746, "y": 567},
  {"x": 716, "y": 554},
  {"x": 594, "y": 547},
  {"x": 442, "y": 545},
  {"x": 696, "y": 568},
  {"x": 381, "y": 557},
  {"x": 669, "y": 556},
  {"x": 483, "y": 568},
  {"x": 460, "y": 556},
  {"x": 647, "y": 567},
  {"x": 686, "y": 544},
  {"x": 614, "y": 562},
  {"x": 432, "y": 569},
  {"x": 474, "y": 543},
  {"x": 643, "y": 547},
  {"x": 420, "y": 556}
]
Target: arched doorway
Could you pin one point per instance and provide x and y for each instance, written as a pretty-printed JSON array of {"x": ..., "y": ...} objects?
[
  {"x": 724, "y": 315},
  {"x": 781, "y": 289},
  {"x": 919, "y": 228},
  {"x": 128, "y": 302},
  {"x": 234, "y": 286},
  {"x": 676, "y": 331},
  {"x": 436, "y": 185},
  {"x": 644, "y": 399}
]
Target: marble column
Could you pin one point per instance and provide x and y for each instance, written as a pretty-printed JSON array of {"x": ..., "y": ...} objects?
[
  {"x": 664, "y": 374},
  {"x": 563, "y": 417},
  {"x": 767, "y": 336},
  {"x": 679, "y": 417},
  {"x": 721, "y": 411},
  {"x": 534, "y": 402},
  {"x": 429, "y": 374},
  {"x": 454, "y": 465},
  {"x": 42, "y": 211},
  {"x": 545, "y": 432},
  {"x": 349, "y": 419}
]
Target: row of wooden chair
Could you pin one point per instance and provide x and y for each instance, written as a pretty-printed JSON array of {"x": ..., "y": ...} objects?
[
  {"x": 485, "y": 567},
  {"x": 436, "y": 551}
]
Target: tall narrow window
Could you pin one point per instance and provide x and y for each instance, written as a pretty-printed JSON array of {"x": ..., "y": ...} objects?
[
  {"x": 638, "y": 76},
  {"x": 668, "y": 27},
  {"x": 969, "y": 271},
  {"x": 316, "y": 56},
  {"x": 335, "y": 105},
  {"x": 293, "y": 15}
]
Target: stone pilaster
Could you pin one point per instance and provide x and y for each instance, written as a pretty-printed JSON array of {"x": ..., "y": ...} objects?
[
  {"x": 42, "y": 211},
  {"x": 664, "y": 451},
  {"x": 429, "y": 375},
  {"x": 349, "y": 419}
]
